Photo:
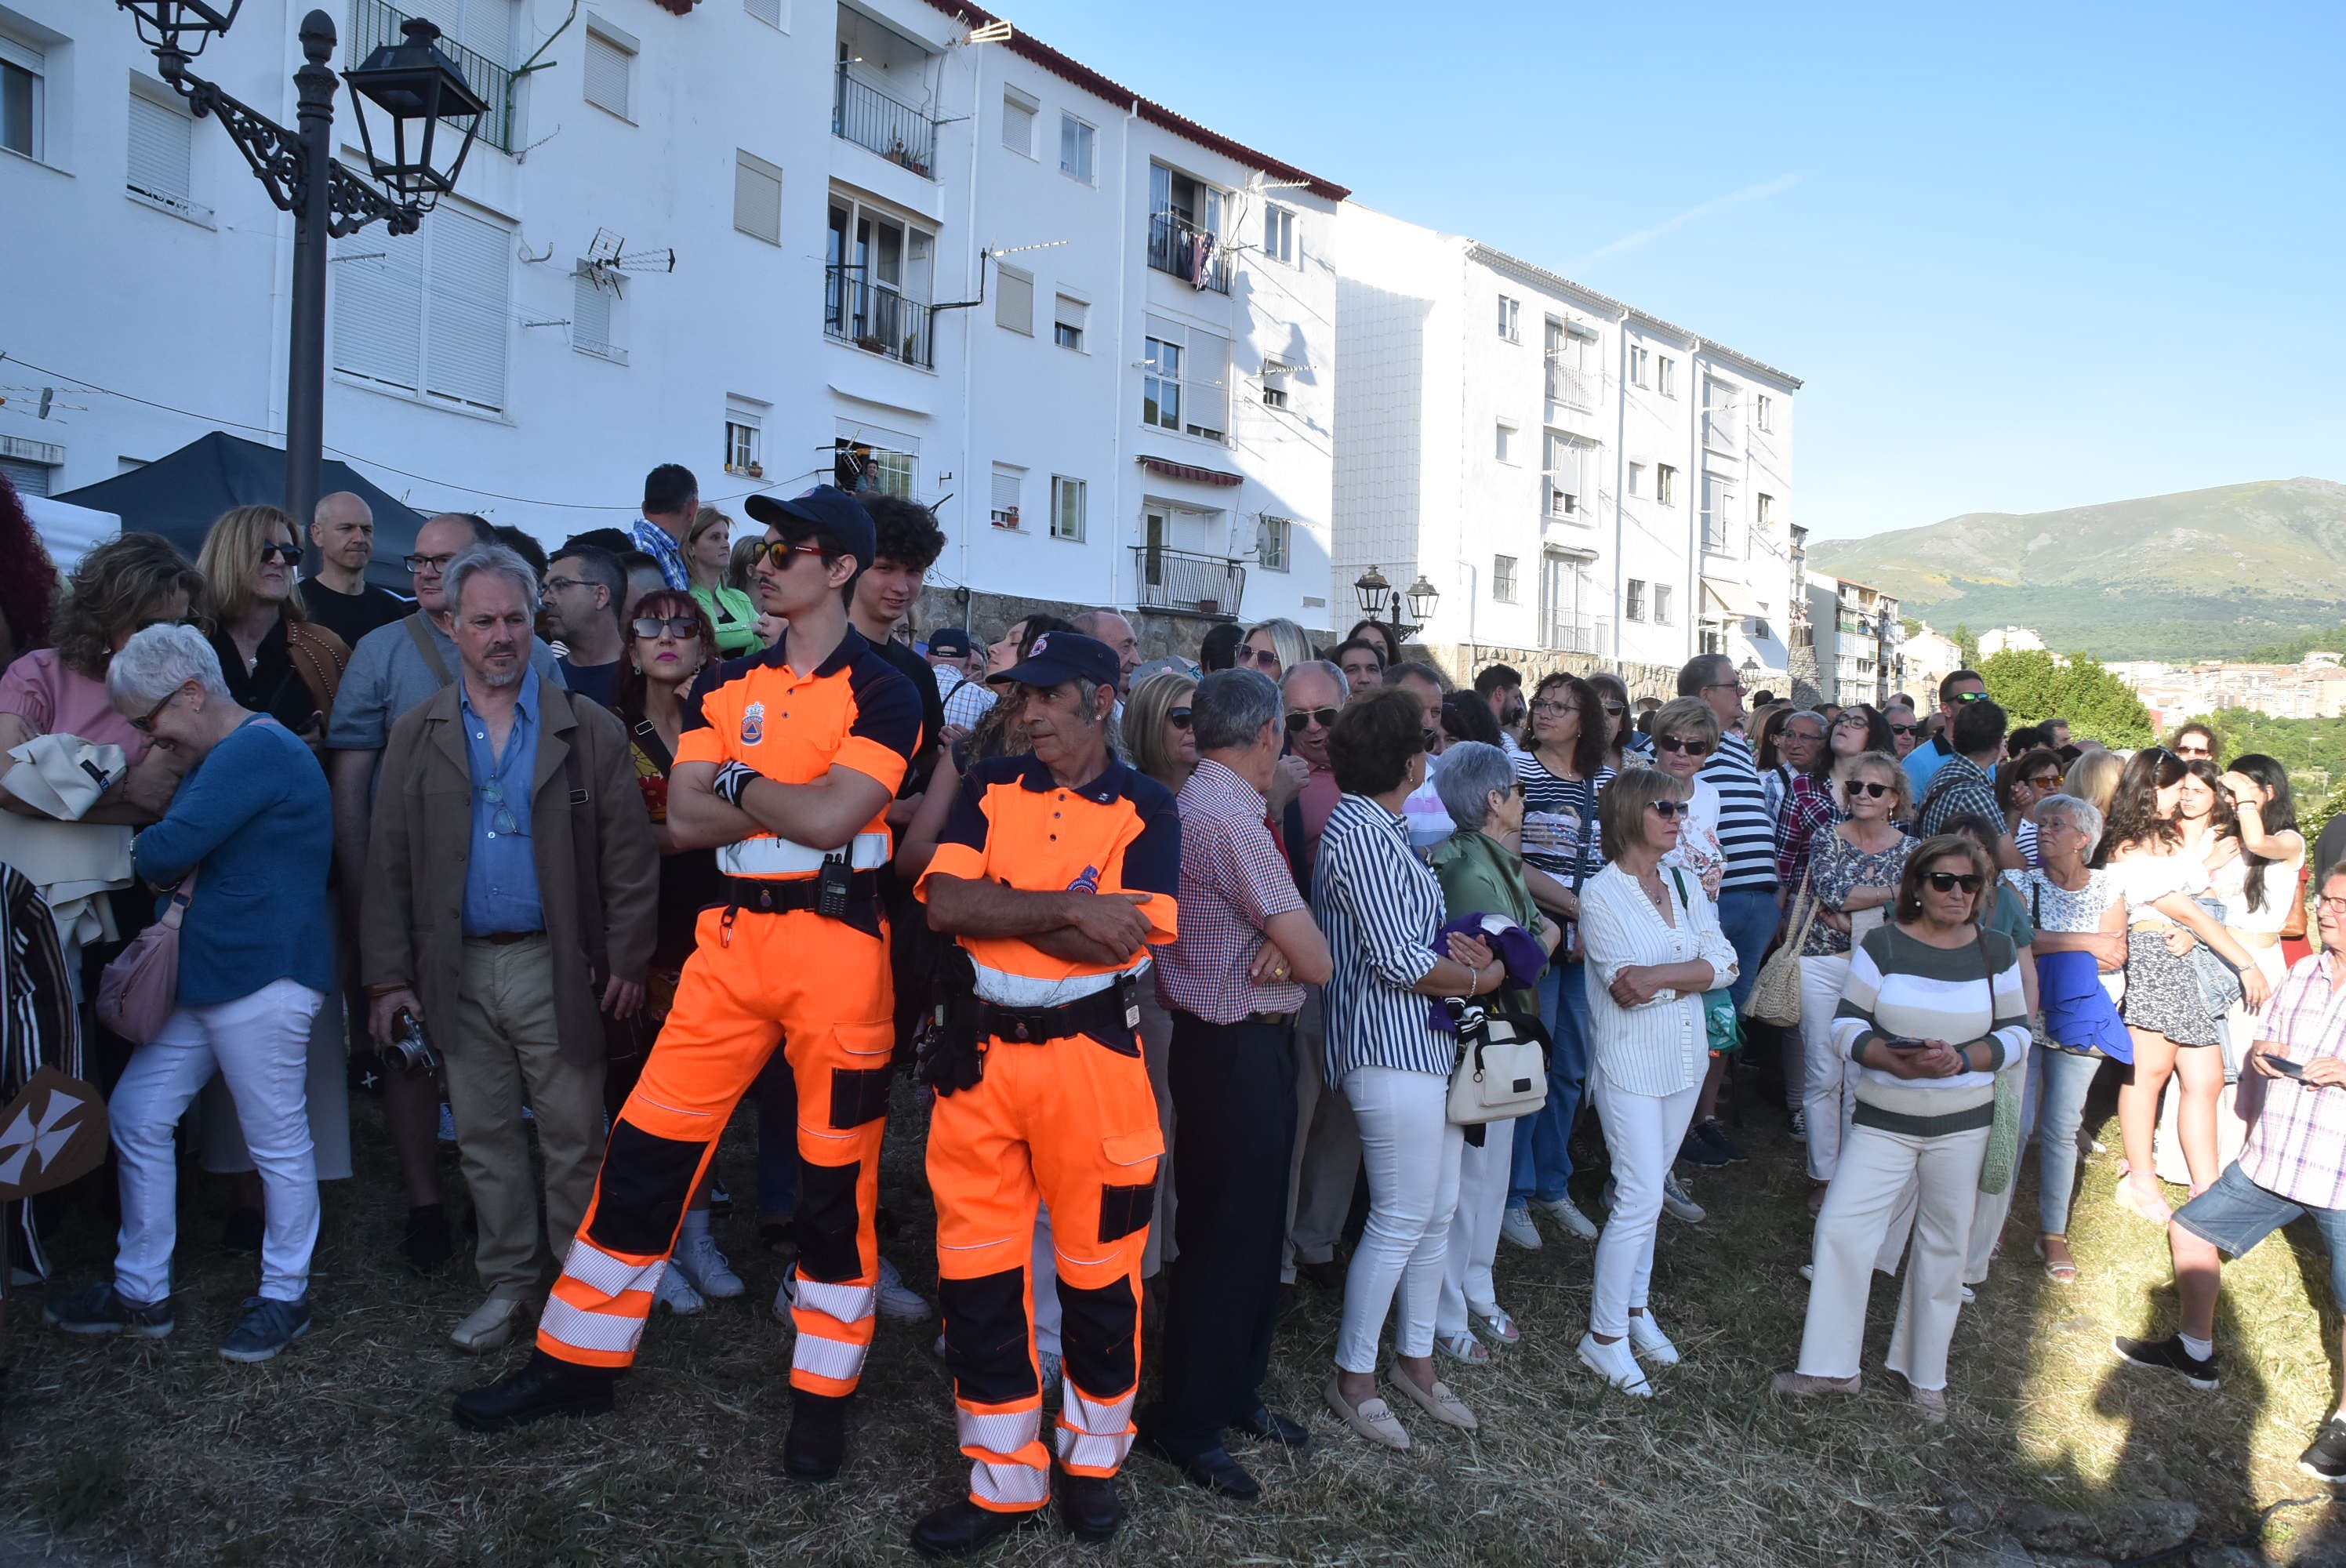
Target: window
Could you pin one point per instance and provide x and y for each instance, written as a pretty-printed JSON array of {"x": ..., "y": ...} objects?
[
  {"x": 1720, "y": 431},
  {"x": 1160, "y": 384},
  {"x": 1637, "y": 360},
  {"x": 1633, "y": 604},
  {"x": 876, "y": 281},
  {"x": 1067, "y": 508},
  {"x": 1503, "y": 444},
  {"x": 757, "y": 198},
  {"x": 1661, "y": 604},
  {"x": 1013, "y": 300},
  {"x": 1666, "y": 376},
  {"x": 1007, "y": 484},
  {"x": 593, "y": 295},
  {"x": 1279, "y": 233},
  {"x": 1184, "y": 380},
  {"x": 1510, "y": 319},
  {"x": 1503, "y": 578},
  {"x": 1068, "y": 319},
  {"x": 1274, "y": 383},
  {"x": 428, "y": 312},
  {"x": 867, "y": 457},
  {"x": 1665, "y": 483},
  {"x": 160, "y": 166},
  {"x": 1018, "y": 122},
  {"x": 24, "y": 89},
  {"x": 1271, "y": 544},
  {"x": 1562, "y": 468},
  {"x": 29, "y": 478},
  {"x": 1186, "y": 228},
  {"x": 770, "y": 12},
  {"x": 1637, "y": 479},
  {"x": 1765, "y": 513},
  {"x": 610, "y": 69},
  {"x": 1076, "y": 141},
  {"x": 1763, "y": 411},
  {"x": 745, "y": 421},
  {"x": 1718, "y": 514}
]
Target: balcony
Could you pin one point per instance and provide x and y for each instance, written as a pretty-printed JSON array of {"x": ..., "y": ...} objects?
[
  {"x": 876, "y": 320},
  {"x": 1570, "y": 386},
  {"x": 1184, "y": 583},
  {"x": 1190, "y": 253},
  {"x": 374, "y": 23},
  {"x": 1721, "y": 431},
  {"x": 1579, "y": 634},
  {"x": 898, "y": 132}
]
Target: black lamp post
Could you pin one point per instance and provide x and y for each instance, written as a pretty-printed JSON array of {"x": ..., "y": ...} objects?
[
  {"x": 412, "y": 82},
  {"x": 1383, "y": 603}
]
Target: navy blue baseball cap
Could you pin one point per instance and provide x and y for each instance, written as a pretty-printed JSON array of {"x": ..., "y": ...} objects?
[
  {"x": 831, "y": 512},
  {"x": 1058, "y": 657},
  {"x": 950, "y": 642}
]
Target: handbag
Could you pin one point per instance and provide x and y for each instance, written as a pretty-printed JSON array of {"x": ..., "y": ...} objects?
[
  {"x": 2002, "y": 1156},
  {"x": 1775, "y": 993},
  {"x": 1723, "y": 1032},
  {"x": 1502, "y": 1068},
  {"x": 137, "y": 990}
]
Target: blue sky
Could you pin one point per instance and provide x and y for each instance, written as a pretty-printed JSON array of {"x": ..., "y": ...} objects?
[{"x": 2023, "y": 257}]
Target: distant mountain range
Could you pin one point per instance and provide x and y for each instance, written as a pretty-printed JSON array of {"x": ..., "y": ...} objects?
[{"x": 2199, "y": 574}]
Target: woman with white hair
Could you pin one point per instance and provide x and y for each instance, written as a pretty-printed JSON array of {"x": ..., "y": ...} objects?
[
  {"x": 1482, "y": 873},
  {"x": 244, "y": 848}
]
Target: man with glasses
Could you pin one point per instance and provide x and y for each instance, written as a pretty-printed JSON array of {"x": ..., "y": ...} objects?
[
  {"x": 496, "y": 794},
  {"x": 1964, "y": 686},
  {"x": 335, "y": 590},
  {"x": 583, "y": 588},
  {"x": 1797, "y": 741},
  {"x": 1905, "y": 729},
  {"x": 391, "y": 670}
]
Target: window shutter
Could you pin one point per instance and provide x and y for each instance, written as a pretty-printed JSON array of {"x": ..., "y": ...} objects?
[
  {"x": 606, "y": 74},
  {"x": 757, "y": 198},
  {"x": 590, "y": 314},
  {"x": 1014, "y": 301},
  {"x": 379, "y": 308},
  {"x": 770, "y": 12},
  {"x": 464, "y": 336},
  {"x": 1071, "y": 312},
  {"x": 1207, "y": 381},
  {"x": 1018, "y": 125},
  {"x": 1004, "y": 509},
  {"x": 162, "y": 149},
  {"x": 29, "y": 478}
]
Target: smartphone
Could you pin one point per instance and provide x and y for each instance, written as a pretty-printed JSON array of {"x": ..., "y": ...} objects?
[{"x": 2284, "y": 1067}]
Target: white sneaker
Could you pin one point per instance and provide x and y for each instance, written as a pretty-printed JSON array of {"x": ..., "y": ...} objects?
[
  {"x": 1800, "y": 1125},
  {"x": 1677, "y": 1205},
  {"x": 1616, "y": 1365},
  {"x": 705, "y": 1266},
  {"x": 1647, "y": 1337},
  {"x": 1562, "y": 1211},
  {"x": 897, "y": 1300},
  {"x": 1515, "y": 1226},
  {"x": 676, "y": 1293}
]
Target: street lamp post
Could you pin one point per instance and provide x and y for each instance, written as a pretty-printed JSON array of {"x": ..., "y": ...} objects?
[
  {"x": 411, "y": 81},
  {"x": 1382, "y": 602}
]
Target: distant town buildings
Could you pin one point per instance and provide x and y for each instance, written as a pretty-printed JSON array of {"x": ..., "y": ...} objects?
[
  {"x": 1858, "y": 635},
  {"x": 2314, "y": 688},
  {"x": 2010, "y": 639},
  {"x": 1927, "y": 658}
]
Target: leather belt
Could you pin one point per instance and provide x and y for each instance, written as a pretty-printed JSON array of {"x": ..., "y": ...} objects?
[
  {"x": 1110, "y": 1016},
  {"x": 766, "y": 896},
  {"x": 1268, "y": 1020},
  {"x": 506, "y": 938}
]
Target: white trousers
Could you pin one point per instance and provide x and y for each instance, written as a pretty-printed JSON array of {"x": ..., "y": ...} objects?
[
  {"x": 1411, "y": 1153},
  {"x": 220, "y": 1142},
  {"x": 1827, "y": 1099},
  {"x": 1642, "y": 1133},
  {"x": 1482, "y": 1176},
  {"x": 260, "y": 1045},
  {"x": 1866, "y": 1191}
]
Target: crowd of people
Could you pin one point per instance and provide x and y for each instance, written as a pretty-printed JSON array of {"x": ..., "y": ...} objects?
[{"x": 580, "y": 851}]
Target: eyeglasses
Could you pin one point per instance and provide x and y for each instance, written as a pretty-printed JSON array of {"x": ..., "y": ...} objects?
[
  {"x": 1869, "y": 787},
  {"x": 419, "y": 565},
  {"x": 683, "y": 628},
  {"x": 1553, "y": 709},
  {"x": 2335, "y": 906},
  {"x": 146, "y": 726},
  {"x": 2190, "y": 751},
  {"x": 1971, "y": 696},
  {"x": 1666, "y": 809},
  {"x": 289, "y": 553},
  {"x": 1304, "y": 718},
  {"x": 504, "y": 821},
  {"x": 1905, "y": 729},
  {"x": 1807, "y": 735},
  {"x": 1673, "y": 743},
  {"x": 1179, "y": 718},
  {"x": 1948, "y": 882},
  {"x": 1724, "y": 686}
]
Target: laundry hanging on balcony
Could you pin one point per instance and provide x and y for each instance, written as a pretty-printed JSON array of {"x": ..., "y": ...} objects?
[{"x": 1202, "y": 260}]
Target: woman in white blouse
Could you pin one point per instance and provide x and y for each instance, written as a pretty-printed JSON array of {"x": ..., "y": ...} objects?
[{"x": 1654, "y": 947}]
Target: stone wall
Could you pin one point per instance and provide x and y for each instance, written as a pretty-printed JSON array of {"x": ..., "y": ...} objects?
[{"x": 991, "y": 614}]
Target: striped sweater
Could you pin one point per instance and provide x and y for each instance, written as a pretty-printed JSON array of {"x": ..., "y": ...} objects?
[
  {"x": 1746, "y": 831},
  {"x": 1901, "y": 988}
]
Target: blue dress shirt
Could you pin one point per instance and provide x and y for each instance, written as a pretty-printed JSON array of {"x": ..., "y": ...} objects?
[{"x": 500, "y": 875}]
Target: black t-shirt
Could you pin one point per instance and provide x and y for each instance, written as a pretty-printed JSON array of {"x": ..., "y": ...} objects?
[
  {"x": 350, "y": 616},
  {"x": 923, "y": 678},
  {"x": 272, "y": 686},
  {"x": 598, "y": 682},
  {"x": 2329, "y": 848}
]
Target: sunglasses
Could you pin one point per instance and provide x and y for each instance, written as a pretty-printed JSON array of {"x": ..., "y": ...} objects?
[
  {"x": 1905, "y": 729},
  {"x": 1971, "y": 696},
  {"x": 1303, "y": 718},
  {"x": 1869, "y": 787},
  {"x": 683, "y": 628},
  {"x": 1672, "y": 743},
  {"x": 1179, "y": 718},
  {"x": 1948, "y": 882},
  {"x": 419, "y": 565},
  {"x": 2044, "y": 781},
  {"x": 1667, "y": 809},
  {"x": 1617, "y": 708},
  {"x": 773, "y": 553},
  {"x": 1266, "y": 657},
  {"x": 2190, "y": 753},
  {"x": 146, "y": 726},
  {"x": 1430, "y": 740},
  {"x": 289, "y": 553}
]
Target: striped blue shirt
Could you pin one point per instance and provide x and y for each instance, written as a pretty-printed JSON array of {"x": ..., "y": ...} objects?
[
  {"x": 1746, "y": 834},
  {"x": 1379, "y": 908}
]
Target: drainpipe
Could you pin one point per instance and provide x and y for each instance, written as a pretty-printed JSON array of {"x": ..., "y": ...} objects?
[
  {"x": 969, "y": 341},
  {"x": 1116, "y": 424},
  {"x": 1620, "y": 478}
]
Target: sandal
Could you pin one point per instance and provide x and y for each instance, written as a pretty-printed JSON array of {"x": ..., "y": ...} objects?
[
  {"x": 1495, "y": 1322},
  {"x": 2061, "y": 1272},
  {"x": 1464, "y": 1348}
]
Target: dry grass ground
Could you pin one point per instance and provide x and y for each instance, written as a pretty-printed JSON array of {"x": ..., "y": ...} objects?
[{"x": 340, "y": 1452}]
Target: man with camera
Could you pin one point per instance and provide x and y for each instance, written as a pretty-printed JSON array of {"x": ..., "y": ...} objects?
[{"x": 511, "y": 888}]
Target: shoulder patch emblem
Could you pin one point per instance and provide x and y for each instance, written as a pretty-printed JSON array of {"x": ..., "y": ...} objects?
[
  {"x": 1086, "y": 883},
  {"x": 753, "y": 723}
]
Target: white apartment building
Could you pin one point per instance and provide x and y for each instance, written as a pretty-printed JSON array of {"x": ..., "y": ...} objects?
[
  {"x": 1098, "y": 337},
  {"x": 2010, "y": 639},
  {"x": 1576, "y": 477},
  {"x": 1859, "y": 637}
]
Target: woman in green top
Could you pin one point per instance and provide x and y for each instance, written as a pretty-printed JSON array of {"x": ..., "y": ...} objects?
[
  {"x": 707, "y": 551},
  {"x": 1481, "y": 872}
]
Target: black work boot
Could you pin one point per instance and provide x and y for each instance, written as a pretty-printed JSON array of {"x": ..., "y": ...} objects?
[
  {"x": 817, "y": 1443},
  {"x": 961, "y": 1528},
  {"x": 545, "y": 1387},
  {"x": 1091, "y": 1505}
]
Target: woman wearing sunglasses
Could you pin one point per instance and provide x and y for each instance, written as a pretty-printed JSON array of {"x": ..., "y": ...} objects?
[
  {"x": 275, "y": 661},
  {"x": 1613, "y": 701},
  {"x": 2143, "y": 847},
  {"x": 2020, "y": 786},
  {"x": 1686, "y": 732},
  {"x": 1852, "y": 872},
  {"x": 1932, "y": 1009}
]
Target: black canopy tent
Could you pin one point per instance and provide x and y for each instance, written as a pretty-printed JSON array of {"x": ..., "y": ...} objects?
[{"x": 180, "y": 496}]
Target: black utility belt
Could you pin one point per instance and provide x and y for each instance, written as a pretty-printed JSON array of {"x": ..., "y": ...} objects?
[
  {"x": 1111, "y": 1016},
  {"x": 852, "y": 897}
]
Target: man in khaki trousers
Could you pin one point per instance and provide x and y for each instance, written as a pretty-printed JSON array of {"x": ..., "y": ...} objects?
[{"x": 511, "y": 871}]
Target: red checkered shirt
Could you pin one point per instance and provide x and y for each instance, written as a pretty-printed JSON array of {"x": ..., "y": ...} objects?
[
  {"x": 2298, "y": 1146},
  {"x": 1234, "y": 882}
]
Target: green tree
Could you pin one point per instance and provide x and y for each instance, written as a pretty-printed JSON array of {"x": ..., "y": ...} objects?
[
  {"x": 2034, "y": 685},
  {"x": 1965, "y": 645}
]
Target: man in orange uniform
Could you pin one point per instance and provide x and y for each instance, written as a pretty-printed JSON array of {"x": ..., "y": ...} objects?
[
  {"x": 787, "y": 763},
  {"x": 1054, "y": 871}
]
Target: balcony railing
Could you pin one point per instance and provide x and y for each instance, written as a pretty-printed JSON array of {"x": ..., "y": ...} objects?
[
  {"x": 1188, "y": 252},
  {"x": 1185, "y": 583},
  {"x": 1571, "y": 387},
  {"x": 878, "y": 320},
  {"x": 373, "y": 24},
  {"x": 1579, "y": 634},
  {"x": 900, "y": 133}
]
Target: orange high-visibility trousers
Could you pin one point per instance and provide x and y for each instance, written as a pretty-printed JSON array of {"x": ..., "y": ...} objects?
[
  {"x": 1074, "y": 1123},
  {"x": 821, "y": 989}
]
